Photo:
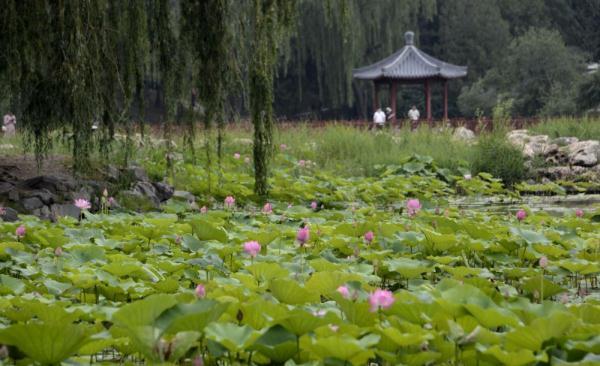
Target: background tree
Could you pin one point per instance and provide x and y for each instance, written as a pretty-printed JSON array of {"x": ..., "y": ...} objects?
[{"x": 539, "y": 72}]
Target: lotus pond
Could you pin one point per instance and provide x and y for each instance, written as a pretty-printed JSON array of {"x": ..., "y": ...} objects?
[{"x": 333, "y": 270}]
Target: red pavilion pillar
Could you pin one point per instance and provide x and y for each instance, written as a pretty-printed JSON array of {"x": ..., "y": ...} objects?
[
  {"x": 393, "y": 100},
  {"x": 375, "y": 96},
  {"x": 445, "y": 100},
  {"x": 428, "y": 100}
]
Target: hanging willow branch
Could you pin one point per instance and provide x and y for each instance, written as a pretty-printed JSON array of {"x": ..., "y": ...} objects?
[{"x": 271, "y": 19}]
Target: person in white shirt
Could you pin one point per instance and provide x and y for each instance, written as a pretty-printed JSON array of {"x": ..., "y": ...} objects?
[
  {"x": 9, "y": 125},
  {"x": 414, "y": 115},
  {"x": 379, "y": 119}
]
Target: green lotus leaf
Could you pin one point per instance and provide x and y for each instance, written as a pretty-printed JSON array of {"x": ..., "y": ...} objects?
[
  {"x": 358, "y": 313},
  {"x": 277, "y": 343},
  {"x": 143, "y": 312},
  {"x": 14, "y": 245},
  {"x": 190, "y": 317},
  {"x": 55, "y": 287},
  {"x": 517, "y": 358},
  {"x": 290, "y": 292},
  {"x": 300, "y": 322},
  {"x": 204, "y": 230},
  {"x": 47, "y": 343},
  {"x": 233, "y": 337},
  {"x": 267, "y": 271},
  {"x": 534, "y": 285},
  {"x": 539, "y": 331},
  {"x": 408, "y": 268},
  {"x": 87, "y": 253},
  {"x": 11, "y": 285},
  {"x": 529, "y": 236},
  {"x": 341, "y": 347},
  {"x": 492, "y": 317}
]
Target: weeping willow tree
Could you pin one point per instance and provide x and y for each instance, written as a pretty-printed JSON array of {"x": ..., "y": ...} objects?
[
  {"x": 55, "y": 65},
  {"x": 334, "y": 36},
  {"x": 271, "y": 18},
  {"x": 67, "y": 64},
  {"x": 206, "y": 25}
]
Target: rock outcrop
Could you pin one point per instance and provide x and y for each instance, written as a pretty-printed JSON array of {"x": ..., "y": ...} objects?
[
  {"x": 50, "y": 197},
  {"x": 563, "y": 158}
]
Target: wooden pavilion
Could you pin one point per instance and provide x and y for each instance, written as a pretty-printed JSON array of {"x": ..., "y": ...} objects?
[{"x": 410, "y": 65}]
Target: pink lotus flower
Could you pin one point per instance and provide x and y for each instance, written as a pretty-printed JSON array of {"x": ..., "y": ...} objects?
[
  {"x": 282, "y": 147},
  {"x": 313, "y": 205},
  {"x": 303, "y": 235},
  {"x": 267, "y": 208},
  {"x": 333, "y": 327},
  {"x": 543, "y": 262},
  {"x": 289, "y": 205},
  {"x": 236, "y": 155},
  {"x": 2, "y": 211},
  {"x": 467, "y": 176},
  {"x": 58, "y": 251},
  {"x": 229, "y": 201},
  {"x": 369, "y": 236},
  {"x": 579, "y": 213},
  {"x": 105, "y": 192},
  {"x": 252, "y": 248},
  {"x": 82, "y": 204},
  {"x": 203, "y": 209},
  {"x": 111, "y": 201},
  {"x": 302, "y": 163},
  {"x": 343, "y": 290},
  {"x": 521, "y": 215},
  {"x": 200, "y": 291},
  {"x": 381, "y": 299},
  {"x": 413, "y": 206},
  {"x": 198, "y": 361},
  {"x": 20, "y": 232}
]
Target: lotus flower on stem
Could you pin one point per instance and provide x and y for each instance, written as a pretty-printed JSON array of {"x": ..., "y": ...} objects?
[
  {"x": 369, "y": 236},
  {"x": 344, "y": 291},
  {"x": 20, "y": 231},
  {"x": 229, "y": 201},
  {"x": 267, "y": 208},
  {"x": 413, "y": 206},
  {"x": 314, "y": 205},
  {"x": 381, "y": 299},
  {"x": 579, "y": 213},
  {"x": 200, "y": 291},
  {"x": 236, "y": 156},
  {"x": 252, "y": 248},
  {"x": 521, "y": 215},
  {"x": 303, "y": 235}
]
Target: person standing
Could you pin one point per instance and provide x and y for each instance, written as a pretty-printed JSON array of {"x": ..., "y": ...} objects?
[
  {"x": 9, "y": 127},
  {"x": 378, "y": 119},
  {"x": 414, "y": 115}
]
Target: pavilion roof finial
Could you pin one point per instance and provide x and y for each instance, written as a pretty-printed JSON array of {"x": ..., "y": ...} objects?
[{"x": 409, "y": 38}]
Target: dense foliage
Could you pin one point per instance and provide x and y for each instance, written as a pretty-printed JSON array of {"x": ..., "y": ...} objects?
[{"x": 374, "y": 275}]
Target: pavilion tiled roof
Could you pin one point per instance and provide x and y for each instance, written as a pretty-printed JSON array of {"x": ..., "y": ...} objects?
[{"x": 410, "y": 63}]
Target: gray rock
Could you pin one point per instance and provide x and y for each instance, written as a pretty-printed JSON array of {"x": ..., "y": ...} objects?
[
  {"x": 146, "y": 188},
  {"x": 137, "y": 174},
  {"x": 32, "y": 203},
  {"x": 51, "y": 183},
  {"x": 13, "y": 195},
  {"x": 163, "y": 191},
  {"x": 562, "y": 172},
  {"x": 518, "y": 137},
  {"x": 136, "y": 201},
  {"x": 564, "y": 141},
  {"x": 112, "y": 173},
  {"x": 10, "y": 215},
  {"x": 5, "y": 187},
  {"x": 63, "y": 210},
  {"x": 42, "y": 213},
  {"x": 584, "y": 153},
  {"x": 463, "y": 134},
  {"x": 43, "y": 194},
  {"x": 184, "y": 196}
]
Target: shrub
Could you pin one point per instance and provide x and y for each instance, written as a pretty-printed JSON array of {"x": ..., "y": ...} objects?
[{"x": 496, "y": 156}]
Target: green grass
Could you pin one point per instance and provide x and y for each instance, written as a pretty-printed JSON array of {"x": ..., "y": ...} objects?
[
  {"x": 582, "y": 128},
  {"x": 352, "y": 151}
]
